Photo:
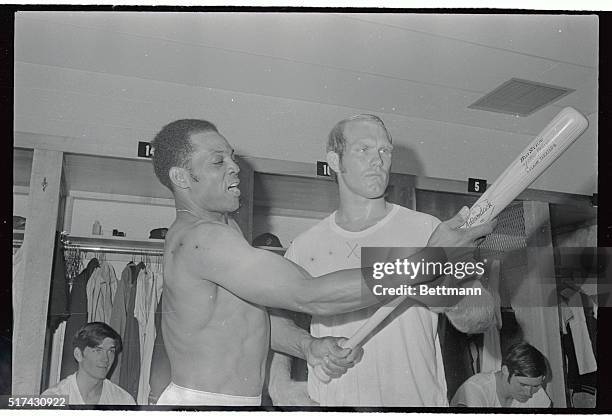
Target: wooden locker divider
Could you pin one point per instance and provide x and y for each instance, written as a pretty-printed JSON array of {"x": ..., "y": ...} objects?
[
  {"x": 540, "y": 323},
  {"x": 29, "y": 330}
]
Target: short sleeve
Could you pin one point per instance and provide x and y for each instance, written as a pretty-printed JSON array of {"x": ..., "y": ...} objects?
[
  {"x": 291, "y": 254},
  {"x": 53, "y": 391},
  {"x": 469, "y": 395}
]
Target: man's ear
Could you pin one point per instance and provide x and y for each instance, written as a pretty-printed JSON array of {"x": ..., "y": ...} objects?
[
  {"x": 505, "y": 371},
  {"x": 333, "y": 160},
  {"x": 179, "y": 177},
  {"x": 78, "y": 354}
]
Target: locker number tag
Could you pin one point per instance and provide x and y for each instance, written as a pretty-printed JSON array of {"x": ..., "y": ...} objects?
[
  {"x": 323, "y": 169},
  {"x": 145, "y": 149},
  {"x": 477, "y": 185}
]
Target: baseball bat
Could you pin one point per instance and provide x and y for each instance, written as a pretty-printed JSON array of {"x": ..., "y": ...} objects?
[{"x": 552, "y": 141}]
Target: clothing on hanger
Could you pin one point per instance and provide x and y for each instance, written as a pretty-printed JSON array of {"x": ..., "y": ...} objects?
[
  {"x": 78, "y": 316},
  {"x": 153, "y": 284},
  {"x": 573, "y": 316},
  {"x": 130, "y": 360},
  {"x": 119, "y": 314},
  {"x": 160, "y": 363},
  {"x": 59, "y": 309},
  {"x": 101, "y": 289}
]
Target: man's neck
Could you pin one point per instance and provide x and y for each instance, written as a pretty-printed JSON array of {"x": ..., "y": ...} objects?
[
  {"x": 356, "y": 213},
  {"x": 191, "y": 211},
  {"x": 503, "y": 395},
  {"x": 90, "y": 388}
]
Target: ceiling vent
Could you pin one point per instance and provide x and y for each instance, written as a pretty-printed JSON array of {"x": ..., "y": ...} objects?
[{"x": 520, "y": 97}]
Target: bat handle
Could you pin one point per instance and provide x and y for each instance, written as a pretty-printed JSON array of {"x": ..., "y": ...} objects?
[
  {"x": 363, "y": 332},
  {"x": 318, "y": 370}
]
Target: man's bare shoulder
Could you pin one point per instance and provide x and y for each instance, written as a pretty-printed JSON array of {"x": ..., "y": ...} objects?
[{"x": 211, "y": 234}]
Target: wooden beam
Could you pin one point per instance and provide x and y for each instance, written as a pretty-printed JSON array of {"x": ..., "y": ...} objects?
[
  {"x": 29, "y": 328},
  {"x": 132, "y": 199},
  {"x": 21, "y": 190},
  {"x": 460, "y": 187},
  {"x": 535, "y": 303}
]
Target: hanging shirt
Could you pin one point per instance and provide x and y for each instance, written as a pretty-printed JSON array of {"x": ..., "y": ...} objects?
[
  {"x": 149, "y": 331},
  {"x": 119, "y": 314},
  {"x": 130, "y": 356},
  {"x": 575, "y": 318},
  {"x": 402, "y": 363},
  {"x": 111, "y": 393},
  {"x": 78, "y": 316},
  {"x": 58, "y": 308},
  {"x": 160, "y": 363},
  {"x": 101, "y": 289},
  {"x": 144, "y": 286}
]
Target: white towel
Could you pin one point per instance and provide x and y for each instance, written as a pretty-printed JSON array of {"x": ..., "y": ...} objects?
[
  {"x": 491, "y": 356},
  {"x": 582, "y": 342}
]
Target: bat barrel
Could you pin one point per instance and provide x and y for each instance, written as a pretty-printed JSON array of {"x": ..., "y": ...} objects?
[{"x": 552, "y": 141}]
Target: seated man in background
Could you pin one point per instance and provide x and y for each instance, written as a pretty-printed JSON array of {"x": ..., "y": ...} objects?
[
  {"x": 517, "y": 384},
  {"x": 95, "y": 347}
]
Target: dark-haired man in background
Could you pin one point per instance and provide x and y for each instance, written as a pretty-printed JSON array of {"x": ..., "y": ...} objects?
[
  {"x": 95, "y": 348},
  {"x": 519, "y": 383}
]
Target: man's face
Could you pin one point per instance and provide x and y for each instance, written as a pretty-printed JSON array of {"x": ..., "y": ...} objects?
[
  {"x": 365, "y": 164},
  {"x": 97, "y": 361},
  {"x": 522, "y": 388},
  {"x": 214, "y": 173}
]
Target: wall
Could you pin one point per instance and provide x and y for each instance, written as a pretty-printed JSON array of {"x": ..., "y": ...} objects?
[
  {"x": 284, "y": 227},
  {"x": 260, "y": 126},
  {"x": 133, "y": 219},
  {"x": 20, "y": 205}
]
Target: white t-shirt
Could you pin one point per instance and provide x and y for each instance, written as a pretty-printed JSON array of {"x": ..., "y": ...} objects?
[
  {"x": 480, "y": 391},
  {"x": 111, "y": 393},
  {"x": 402, "y": 363}
]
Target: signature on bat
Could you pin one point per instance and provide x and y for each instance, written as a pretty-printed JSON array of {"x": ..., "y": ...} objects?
[
  {"x": 538, "y": 157},
  {"x": 480, "y": 212}
]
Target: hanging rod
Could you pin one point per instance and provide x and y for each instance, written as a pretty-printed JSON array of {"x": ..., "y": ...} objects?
[
  {"x": 106, "y": 245},
  {"x": 115, "y": 250}
]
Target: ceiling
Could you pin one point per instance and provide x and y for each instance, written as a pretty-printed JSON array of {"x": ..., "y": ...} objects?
[{"x": 283, "y": 79}]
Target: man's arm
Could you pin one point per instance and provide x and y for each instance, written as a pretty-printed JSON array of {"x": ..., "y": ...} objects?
[
  {"x": 267, "y": 279},
  {"x": 474, "y": 314},
  {"x": 283, "y": 390},
  {"x": 288, "y": 339}
]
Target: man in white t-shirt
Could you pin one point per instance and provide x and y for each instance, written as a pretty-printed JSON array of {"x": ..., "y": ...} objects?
[
  {"x": 402, "y": 362},
  {"x": 517, "y": 384},
  {"x": 95, "y": 347}
]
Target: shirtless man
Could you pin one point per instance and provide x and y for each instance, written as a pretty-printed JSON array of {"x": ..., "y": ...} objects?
[{"x": 217, "y": 287}]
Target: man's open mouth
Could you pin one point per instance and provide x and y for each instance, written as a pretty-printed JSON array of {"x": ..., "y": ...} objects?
[{"x": 233, "y": 188}]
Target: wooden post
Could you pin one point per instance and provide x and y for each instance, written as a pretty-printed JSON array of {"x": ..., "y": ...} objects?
[
  {"x": 38, "y": 245},
  {"x": 535, "y": 303},
  {"x": 401, "y": 190}
]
